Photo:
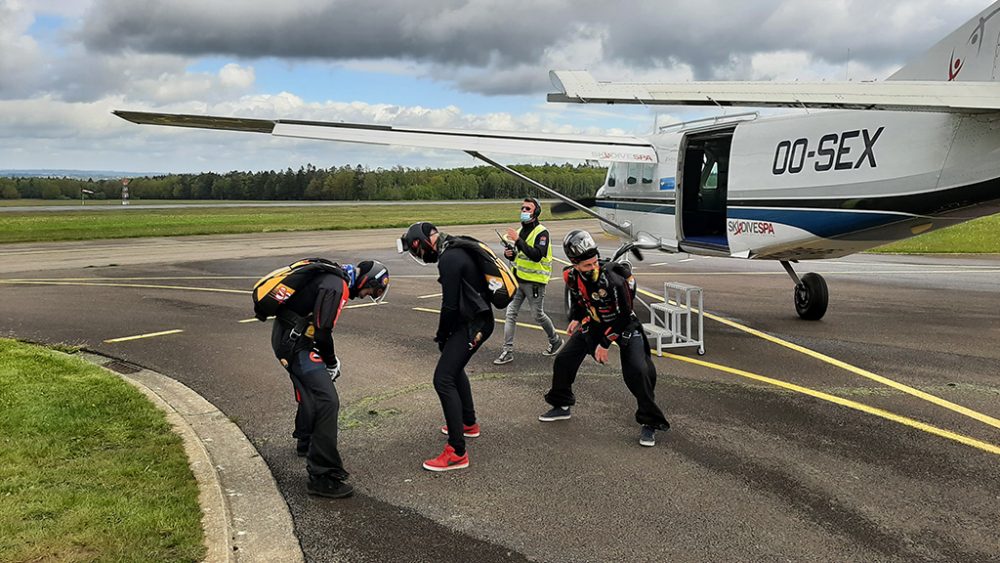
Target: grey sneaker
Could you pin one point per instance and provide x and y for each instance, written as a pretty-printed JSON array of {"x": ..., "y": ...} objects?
[
  {"x": 647, "y": 436},
  {"x": 505, "y": 357},
  {"x": 554, "y": 414},
  {"x": 553, "y": 349}
]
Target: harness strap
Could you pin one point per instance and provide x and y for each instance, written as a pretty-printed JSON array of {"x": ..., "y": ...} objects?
[{"x": 298, "y": 322}]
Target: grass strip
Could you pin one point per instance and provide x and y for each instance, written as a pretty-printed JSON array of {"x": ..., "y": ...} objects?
[
  {"x": 82, "y": 225},
  {"x": 974, "y": 237},
  {"x": 89, "y": 469},
  {"x": 979, "y": 236}
]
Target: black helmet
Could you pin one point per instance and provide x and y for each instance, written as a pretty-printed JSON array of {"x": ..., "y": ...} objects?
[
  {"x": 417, "y": 241},
  {"x": 579, "y": 246},
  {"x": 371, "y": 274}
]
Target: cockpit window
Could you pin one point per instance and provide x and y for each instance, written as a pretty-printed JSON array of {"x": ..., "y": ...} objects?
[
  {"x": 647, "y": 173},
  {"x": 633, "y": 173},
  {"x": 709, "y": 172}
]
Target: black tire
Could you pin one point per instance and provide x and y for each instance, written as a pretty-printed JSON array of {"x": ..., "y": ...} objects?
[{"x": 811, "y": 297}]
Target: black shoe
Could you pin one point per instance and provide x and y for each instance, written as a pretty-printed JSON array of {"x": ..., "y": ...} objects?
[
  {"x": 329, "y": 487},
  {"x": 647, "y": 436},
  {"x": 555, "y": 413},
  {"x": 302, "y": 448}
]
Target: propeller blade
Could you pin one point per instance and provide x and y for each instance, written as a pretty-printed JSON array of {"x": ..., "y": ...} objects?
[
  {"x": 637, "y": 253},
  {"x": 563, "y": 207}
]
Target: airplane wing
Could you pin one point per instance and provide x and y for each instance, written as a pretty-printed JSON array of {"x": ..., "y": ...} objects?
[
  {"x": 614, "y": 149},
  {"x": 895, "y": 95}
]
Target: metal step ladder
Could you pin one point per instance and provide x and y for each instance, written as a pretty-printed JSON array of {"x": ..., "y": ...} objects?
[{"x": 674, "y": 322}]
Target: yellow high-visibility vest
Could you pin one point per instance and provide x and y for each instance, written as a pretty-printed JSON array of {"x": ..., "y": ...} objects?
[{"x": 538, "y": 272}]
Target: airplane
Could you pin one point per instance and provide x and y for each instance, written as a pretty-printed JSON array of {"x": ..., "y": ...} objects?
[{"x": 875, "y": 163}]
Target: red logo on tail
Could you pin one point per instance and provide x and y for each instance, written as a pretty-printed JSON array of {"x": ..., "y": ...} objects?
[{"x": 955, "y": 67}]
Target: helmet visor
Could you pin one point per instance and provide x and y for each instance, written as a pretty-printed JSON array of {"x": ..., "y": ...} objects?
[
  {"x": 378, "y": 294},
  {"x": 378, "y": 283},
  {"x": 416, "y": 252}
]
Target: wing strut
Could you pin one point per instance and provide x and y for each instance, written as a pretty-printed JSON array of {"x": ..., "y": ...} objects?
[{"x": 625, "y": 228}]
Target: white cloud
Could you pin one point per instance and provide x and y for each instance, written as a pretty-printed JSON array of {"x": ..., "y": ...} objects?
[
  {"x": 20, "y": 54},
  {"x": 235, "y": 76},
  {"x": 65, "y": 65}
]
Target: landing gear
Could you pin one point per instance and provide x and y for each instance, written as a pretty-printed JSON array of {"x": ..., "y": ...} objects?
[{"x": 811, "y": 294}]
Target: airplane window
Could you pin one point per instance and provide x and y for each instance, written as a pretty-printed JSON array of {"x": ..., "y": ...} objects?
[
  {"x": 712, "y": 181},
  {"x": 612, "y": 173},
  {"x": 633, "y": 173},
  {"x": 647, "y": 173}
]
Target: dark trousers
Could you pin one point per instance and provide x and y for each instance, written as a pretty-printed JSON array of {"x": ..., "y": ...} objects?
[
  {"x": 452, "y": 383},
  {"x": 637, "y": 370},
  {"x": 316, "y": 417}
]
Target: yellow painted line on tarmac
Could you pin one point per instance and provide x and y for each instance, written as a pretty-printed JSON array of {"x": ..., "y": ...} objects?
[
  {"x": 500, "y": 321},
  {"x": 139, "y": 336},
  {"x": 984, "y": 418},
  {"x": 174, "y": 278},
  {"x": 358, "y": 306},
  {"x": 362, "y": 305},
  {"x": 429, "y": 296},
  {"x": 985, "y": 446},
  {"x": 978, "y": 444},
  {"x": 139, "y": 285},
  {"x": 426, "y": 310},
  {"x": 827, "y": 273}
]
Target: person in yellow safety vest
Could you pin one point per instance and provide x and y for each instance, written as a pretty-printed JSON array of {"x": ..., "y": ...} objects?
[{"x": 532, "y": 257}]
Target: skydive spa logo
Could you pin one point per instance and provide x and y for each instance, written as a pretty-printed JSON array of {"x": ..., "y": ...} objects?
[{"x": 740, "y": 227}]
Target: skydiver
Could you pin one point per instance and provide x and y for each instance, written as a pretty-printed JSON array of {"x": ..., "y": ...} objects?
[
  {"x": 302, "y": 340},
  {"x": 601, "y": 295},
  {"x": 466, "y": 322}
]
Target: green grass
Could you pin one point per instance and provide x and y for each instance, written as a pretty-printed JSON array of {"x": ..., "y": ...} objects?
[
  {"x": 978, "y": 236},
  {"x": 82, "y": 225},
  {"x": 25, "y": 202},
  {"x": 89, "y": 469}
]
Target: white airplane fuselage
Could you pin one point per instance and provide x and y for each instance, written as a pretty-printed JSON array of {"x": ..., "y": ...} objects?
[{"x": 819, "y": 185}]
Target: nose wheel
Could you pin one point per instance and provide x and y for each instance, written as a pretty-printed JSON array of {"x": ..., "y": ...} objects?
[{"x": 811, "y": 294}]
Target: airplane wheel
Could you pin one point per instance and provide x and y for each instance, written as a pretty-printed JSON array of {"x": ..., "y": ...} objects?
[{"x": 811, "y": 297}]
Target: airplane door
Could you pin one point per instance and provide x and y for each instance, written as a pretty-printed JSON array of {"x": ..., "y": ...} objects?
[{"x": 704, "y": 181}]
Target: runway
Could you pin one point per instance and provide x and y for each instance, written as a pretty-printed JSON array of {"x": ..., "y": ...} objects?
[{"x": 872, "y": 434}]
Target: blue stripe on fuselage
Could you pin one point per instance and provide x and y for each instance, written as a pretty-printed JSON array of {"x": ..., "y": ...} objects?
[
  {"x": 820, "y": 222},
  {"x": 660, "y": 208}
]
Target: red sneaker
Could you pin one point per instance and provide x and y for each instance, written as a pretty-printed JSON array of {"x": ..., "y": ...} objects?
[
  {"x": 447, "y": 461},
  {"x": 467, "y": 431}
]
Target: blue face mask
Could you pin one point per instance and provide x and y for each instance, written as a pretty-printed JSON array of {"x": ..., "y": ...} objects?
[{"x": 525, "y": 217}]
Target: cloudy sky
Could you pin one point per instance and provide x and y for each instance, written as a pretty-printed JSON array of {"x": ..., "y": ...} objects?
[{"x": 478, "y": 64}]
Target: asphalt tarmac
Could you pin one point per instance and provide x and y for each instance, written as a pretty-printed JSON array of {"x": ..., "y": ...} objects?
[{"x": 871, "y": 435}]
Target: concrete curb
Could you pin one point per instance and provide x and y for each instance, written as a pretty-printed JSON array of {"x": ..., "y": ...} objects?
[{"x": 244, "y": 516}]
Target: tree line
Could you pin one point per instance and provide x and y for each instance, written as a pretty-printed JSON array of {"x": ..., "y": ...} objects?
[{"x": 311, "y": 183}]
